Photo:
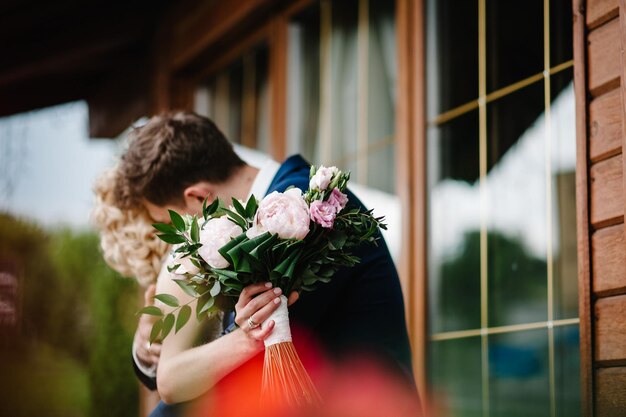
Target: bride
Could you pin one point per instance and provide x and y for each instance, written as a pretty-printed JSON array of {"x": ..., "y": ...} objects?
[{"x": 198, "y": 356}]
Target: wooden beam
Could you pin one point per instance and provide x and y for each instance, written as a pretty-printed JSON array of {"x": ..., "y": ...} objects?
[
  {"x": 120, "y": 100},
  {"x": 207, "y": 24},
  {"x": 411, "y": 178},
  {"x": 604, "y": 63},
  {"x": 611, "y": 399},
  {"x": 609, "y": 261},
  {"x": 607, "y": 188},
  {"x": 582, "y": 208},
  {"x": 278, "y": 83},
  {"x": 605, "y": 123},
  {"x": 600, "y": 12}
]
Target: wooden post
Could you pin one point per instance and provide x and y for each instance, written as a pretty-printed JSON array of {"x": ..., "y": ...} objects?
[{"x": 582, "y": 209}]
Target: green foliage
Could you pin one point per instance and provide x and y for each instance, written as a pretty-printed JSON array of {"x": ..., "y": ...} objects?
[
  {"x": 287, "y": 263},
  {"x": 78, "y": 307}
]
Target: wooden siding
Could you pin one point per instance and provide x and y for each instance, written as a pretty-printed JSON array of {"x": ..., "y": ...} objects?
[{"x": 601, "y": 233}]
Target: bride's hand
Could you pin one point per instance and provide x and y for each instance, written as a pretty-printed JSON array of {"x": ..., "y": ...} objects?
[{"x": 256, "y": 303}]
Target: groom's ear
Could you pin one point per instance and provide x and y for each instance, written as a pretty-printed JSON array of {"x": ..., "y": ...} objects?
[{"x": 195, "y": 194}]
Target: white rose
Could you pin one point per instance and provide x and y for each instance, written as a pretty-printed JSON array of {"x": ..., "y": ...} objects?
[
  {"x": 322, "y": 178},
  {"x": 216, "y": 233},
  {"x": 285, "y": 214}
]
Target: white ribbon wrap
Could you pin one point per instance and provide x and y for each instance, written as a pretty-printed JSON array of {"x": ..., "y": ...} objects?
[{"x": 282, "y": 331}]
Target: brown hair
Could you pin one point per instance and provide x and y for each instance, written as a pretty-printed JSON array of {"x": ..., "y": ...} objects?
[{"x": 169, "y": 153}]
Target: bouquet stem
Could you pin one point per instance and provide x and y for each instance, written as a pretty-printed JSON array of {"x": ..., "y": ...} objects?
[{"x": 285, "y": 380}]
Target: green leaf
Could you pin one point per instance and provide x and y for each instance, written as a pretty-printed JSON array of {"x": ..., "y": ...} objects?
[
  {"x": 171, "y": 238},
  {"x": 231, "y": 244},
  {"x": 188, "y": 289},
  {"x": 167, "y": 299},
  {"x": 215, "y": 290},
  {"x": 183, "y": 317},
  {"x": 236, "y": 218},
  {"x": 251, "y": 207},
  {"x": 204, "y": 304},
  {"x": 156, "y": 330},
  {"x": 195, "y": 230},
  {"x": 165, "y": 228},
  {"x": 172, "y": 268},
  {"x": 168, "y": 323},
  {"x": 337, "y": 239},
  {"x": 239, "y": 208},
  {"x": 211, "y": 208},
  {"x": 151, "y": 310},
  {"x": 177, "y": 221}
]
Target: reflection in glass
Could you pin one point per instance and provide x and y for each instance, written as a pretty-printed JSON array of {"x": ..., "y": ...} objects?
[
  {"x": 237, "y": 99},
  {"x": 452, "y": 54},
  {"x": 561, "y": 23},
  {"x": 343, "y": 73},
  {"x": 519, "y": 384},
  {"x": 517, "y": 215},
  {"x": 454, "y": 239},
  {"x": 303, "y": 90},
  {"x": 382, "y": 72},
  {"x": 567, "y": 370},
  {"x": 381, "y": 172},
  {"x": 563, "y": 137},
  {"x": 514, "y": 41},
  {"x": 455, "y": 380}
]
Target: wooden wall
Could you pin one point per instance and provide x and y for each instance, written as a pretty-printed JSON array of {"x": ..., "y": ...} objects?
[{"x": 599, "y": 31}]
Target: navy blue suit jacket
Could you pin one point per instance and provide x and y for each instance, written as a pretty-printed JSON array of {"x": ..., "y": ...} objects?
[{"x": 361, "y": 309}]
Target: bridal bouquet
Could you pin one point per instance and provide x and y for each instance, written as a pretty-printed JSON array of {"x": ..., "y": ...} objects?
[{"x": 294, "y": 240}]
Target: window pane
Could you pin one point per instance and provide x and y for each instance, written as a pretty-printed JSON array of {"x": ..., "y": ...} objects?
[
  {"x": 456, "y": 380},
  {"x": 563, "y": 137},
  {"x": 567, "y": 371},
  {"x": 304, "y": 85},
  {"x": 237, "y": 99},
  {"x": 343, "y": 73},
  {"x": 514, "y": 41},
  {"x": 452, "y": 54},
  {"x": 518, "y": 374},
  {"x": 561, "y": 23},
  {"x": 381, "y": 173},
  {"x": 382, "y": 73},
  {"x": 517, "y": 210},
  {"x": 454, "y": 237}
]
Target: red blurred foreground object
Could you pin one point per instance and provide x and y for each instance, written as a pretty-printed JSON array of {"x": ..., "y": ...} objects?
[{"x": 359, "y": 387}]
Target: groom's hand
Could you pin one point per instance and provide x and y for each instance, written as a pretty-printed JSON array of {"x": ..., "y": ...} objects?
[{"x": 147, "y": 353}]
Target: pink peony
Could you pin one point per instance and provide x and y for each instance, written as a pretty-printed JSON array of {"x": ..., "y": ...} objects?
[
  {"x": 216, "y": 233},
  {"x": 337, "y": 199},
  {"x": 285, "y": 214},
  {"x": 323, "y": 213},
  {"x": 322, "y": 178}
]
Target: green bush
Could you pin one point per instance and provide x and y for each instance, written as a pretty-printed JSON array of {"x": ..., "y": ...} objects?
[{"x": 75, "y": 310}]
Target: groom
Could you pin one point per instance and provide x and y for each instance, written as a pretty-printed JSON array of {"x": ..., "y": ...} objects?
[{"x": 178, "y": 160}]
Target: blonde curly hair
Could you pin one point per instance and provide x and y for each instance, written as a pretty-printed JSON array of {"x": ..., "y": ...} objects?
[{"x": 129, "y": 244}]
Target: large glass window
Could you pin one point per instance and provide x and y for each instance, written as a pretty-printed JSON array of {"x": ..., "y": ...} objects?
[
  {"x": 237, "y": 99},
  {"x": 342, "y": 88},
  {"x": 503, "y": 320}
]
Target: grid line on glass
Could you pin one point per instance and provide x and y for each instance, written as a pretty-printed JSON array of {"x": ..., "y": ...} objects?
[
  {"x": 549, "y": 231},
  {"x": 497, "y": 94},
  {"x": 460, "y": 334},
  {"x": 483, "y": 168}
]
